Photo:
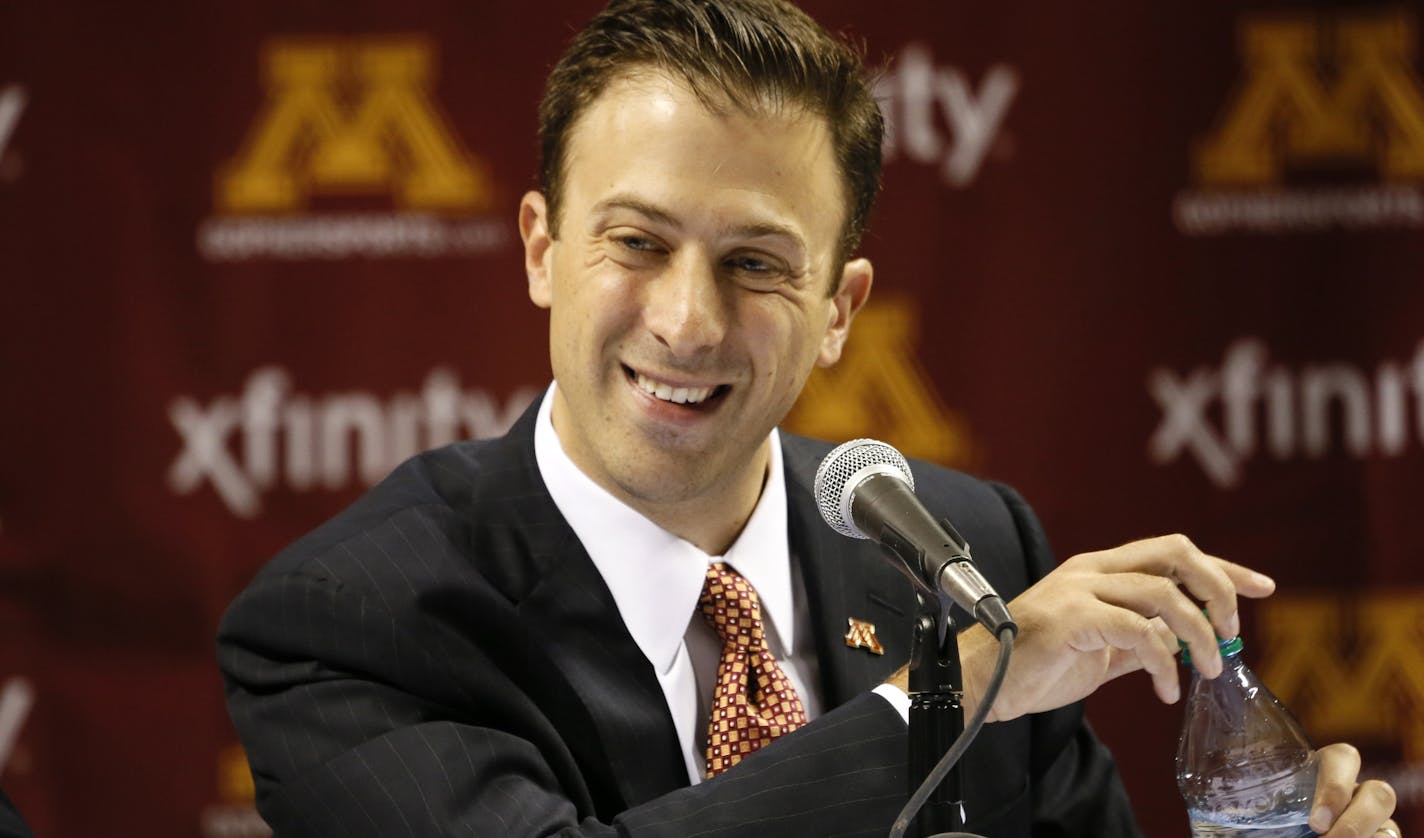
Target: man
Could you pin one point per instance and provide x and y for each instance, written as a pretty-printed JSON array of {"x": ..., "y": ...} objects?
[{"x": 557, "y": 631}]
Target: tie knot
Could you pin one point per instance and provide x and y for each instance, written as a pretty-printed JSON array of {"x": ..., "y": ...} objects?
[{"x": 730, "y": 605}]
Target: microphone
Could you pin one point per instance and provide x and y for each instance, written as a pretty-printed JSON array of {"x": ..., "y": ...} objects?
[{"x": 864, "y": 489}]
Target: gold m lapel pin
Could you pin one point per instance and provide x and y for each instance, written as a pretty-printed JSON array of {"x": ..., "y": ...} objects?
[{"x": 862, "y": 636}]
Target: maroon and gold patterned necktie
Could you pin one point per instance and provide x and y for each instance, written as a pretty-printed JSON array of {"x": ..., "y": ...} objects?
[{"x": 754, "y": 701}]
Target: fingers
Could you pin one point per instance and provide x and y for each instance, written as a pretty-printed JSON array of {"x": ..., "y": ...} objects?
[
  {"x": 1159, "y": 597},
  {"x": 1248, "y": 582},
  {"x": 1370, "y": 809},
  {"x": 1337, "y": 768},
  {"x": 1128, "y": 606},
  {"x": 1343, "y": 807},
  {"x": 1213, "y": 581},
  {"x": 1136, "y": 643},
  {"x": 1131, "y": 642},
  {"x": 1122, "y": 663}
]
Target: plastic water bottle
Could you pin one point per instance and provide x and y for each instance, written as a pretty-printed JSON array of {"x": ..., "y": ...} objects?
[{"x": 1244, "y": 765}]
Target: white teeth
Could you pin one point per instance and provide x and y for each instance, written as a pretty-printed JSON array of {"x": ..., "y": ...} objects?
[{"x": 668, "y": 393}]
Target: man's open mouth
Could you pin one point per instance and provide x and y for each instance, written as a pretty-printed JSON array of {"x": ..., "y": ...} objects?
[{"x": 690, "y": 396}]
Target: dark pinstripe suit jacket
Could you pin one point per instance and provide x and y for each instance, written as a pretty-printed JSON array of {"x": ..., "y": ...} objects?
[{"x": 442, "y": 658}]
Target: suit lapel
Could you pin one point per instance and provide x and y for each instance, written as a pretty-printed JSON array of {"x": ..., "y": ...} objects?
[
  {"x": 609, "y": 675},
  {"x": 845, "y": 579},
  {"x": 611, "y": 688},
  {"x": 634, "y": 751}
]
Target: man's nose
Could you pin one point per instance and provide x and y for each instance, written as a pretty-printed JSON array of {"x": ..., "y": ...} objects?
[{"x": 684, "y": 306}]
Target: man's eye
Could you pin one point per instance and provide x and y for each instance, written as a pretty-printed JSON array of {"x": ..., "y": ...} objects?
[
  {"x": 637, "y": 243},
  {"x": 750, "y": 264},
  {"x": 756, "y": 270}
]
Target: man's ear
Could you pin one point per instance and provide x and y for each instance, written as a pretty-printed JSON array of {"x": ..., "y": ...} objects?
[
  {"x": 856, "y": 279},
  {"x": 538, "y": 247}
]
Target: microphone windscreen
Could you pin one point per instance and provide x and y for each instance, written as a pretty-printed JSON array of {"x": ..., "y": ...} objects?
[{"x": 843, "y": 469}]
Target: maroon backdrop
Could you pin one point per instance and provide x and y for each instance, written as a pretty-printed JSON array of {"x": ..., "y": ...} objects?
[{"x": 1157, "y": 265}]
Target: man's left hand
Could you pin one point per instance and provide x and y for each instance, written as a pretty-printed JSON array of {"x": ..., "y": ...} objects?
[{"x": 1345, "y": 807}]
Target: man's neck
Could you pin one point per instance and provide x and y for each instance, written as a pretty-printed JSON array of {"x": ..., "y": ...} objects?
[
  {"x": 713, "y": 521},
  {"x": 711, "y": 517}
]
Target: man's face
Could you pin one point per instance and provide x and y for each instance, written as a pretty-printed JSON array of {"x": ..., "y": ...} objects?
[{"x": 689, "y": 289}]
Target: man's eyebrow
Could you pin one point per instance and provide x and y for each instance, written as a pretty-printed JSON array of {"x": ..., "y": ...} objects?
[
  {"x": 752, "y": 231},
  {"x": 641, "y": 207}
]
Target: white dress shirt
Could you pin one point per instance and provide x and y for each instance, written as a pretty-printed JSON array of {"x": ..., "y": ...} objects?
[{"x": 656, "y": 580}]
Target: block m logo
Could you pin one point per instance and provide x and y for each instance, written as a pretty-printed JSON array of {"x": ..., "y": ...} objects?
[
  {"x": 1320, "y": 91},
  {"x": 878, "y": 389},
  {"x": 1351, "y": 669},
  {"x": 351, "y": 118}
]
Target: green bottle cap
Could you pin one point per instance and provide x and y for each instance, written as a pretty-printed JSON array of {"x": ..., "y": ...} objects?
[{"x": 1227, "y": 647}]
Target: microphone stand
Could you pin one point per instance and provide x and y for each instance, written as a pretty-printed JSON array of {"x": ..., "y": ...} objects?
[{"x": 936, "y": 712}]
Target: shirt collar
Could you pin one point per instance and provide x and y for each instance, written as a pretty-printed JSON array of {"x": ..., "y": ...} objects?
[{"x": 656, "y": 577}]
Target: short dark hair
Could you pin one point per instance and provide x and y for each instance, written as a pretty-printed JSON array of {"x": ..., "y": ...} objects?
[{"x": 750, "y": 53}]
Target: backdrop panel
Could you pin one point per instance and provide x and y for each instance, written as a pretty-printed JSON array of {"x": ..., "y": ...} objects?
[{"x": 1156, "y": 265}]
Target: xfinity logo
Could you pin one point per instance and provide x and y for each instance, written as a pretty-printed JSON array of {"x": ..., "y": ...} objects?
[
  {"x": 1283, "y": 412},
  {"x": 305, "y": 442},
  {"x": 913, "y": 92}
]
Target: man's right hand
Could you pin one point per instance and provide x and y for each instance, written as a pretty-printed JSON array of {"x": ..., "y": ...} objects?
[{"x": 1104, "y": 614}]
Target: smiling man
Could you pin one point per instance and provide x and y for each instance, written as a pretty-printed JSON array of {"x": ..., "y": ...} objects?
[
  {"x": 692, "y": 286},
  {"x": 625, "y": 617}
]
